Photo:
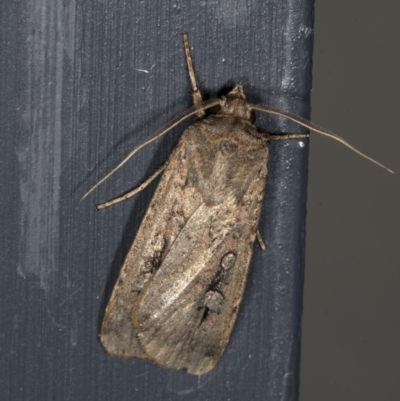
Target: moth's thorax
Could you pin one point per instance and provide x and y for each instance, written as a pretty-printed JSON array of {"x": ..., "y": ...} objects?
[{"x": 225, "y": 154}]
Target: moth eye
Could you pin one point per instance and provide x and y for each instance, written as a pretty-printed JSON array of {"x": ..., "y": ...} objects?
[
  {"x": 228, "y": 147},
  {"x": 228, "y": 261}
]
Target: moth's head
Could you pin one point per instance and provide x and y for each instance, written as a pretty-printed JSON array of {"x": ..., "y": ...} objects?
[{"x": 234, "y": 104}]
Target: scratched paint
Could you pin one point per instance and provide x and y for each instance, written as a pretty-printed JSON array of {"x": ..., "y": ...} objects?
[{"x": 39, "y": 150}]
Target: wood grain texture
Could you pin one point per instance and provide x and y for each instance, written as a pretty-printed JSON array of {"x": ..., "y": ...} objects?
[{"x": 81, "y": 84}]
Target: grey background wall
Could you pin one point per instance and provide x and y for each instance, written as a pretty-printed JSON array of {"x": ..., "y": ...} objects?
[
  {"x": 82, "y": 82},
  {"x": 73, "y": 98},
  {"x": 351, "y": 317}
]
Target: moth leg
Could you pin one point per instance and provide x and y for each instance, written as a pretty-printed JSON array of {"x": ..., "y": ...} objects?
[
  {"x": 283, "y": 137},
  {"x": 197, "y": 98},
  {"x": 134, "y": 191},
  {"x": 261, "y": 241}
]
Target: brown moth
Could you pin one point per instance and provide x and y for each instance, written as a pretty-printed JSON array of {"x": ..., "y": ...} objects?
[{"x": 179, "y": 290}]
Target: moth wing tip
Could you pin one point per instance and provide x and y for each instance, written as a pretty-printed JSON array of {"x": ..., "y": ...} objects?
[{"x": 204, "y": 367}]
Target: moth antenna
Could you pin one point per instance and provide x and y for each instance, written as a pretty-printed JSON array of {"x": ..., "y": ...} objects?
[
  {"x": 316, "y": 128},
  {"x": 173, "y": 123},
  {"x": 134, "y": 191}
]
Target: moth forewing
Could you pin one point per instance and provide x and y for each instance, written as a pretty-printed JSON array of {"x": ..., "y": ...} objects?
[
  {"x": 181, "y": 284},
  {"x": 118, "y": 334}
]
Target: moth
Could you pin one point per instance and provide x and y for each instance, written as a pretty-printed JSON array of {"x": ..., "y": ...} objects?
[{"x": 179, "y": 290}]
